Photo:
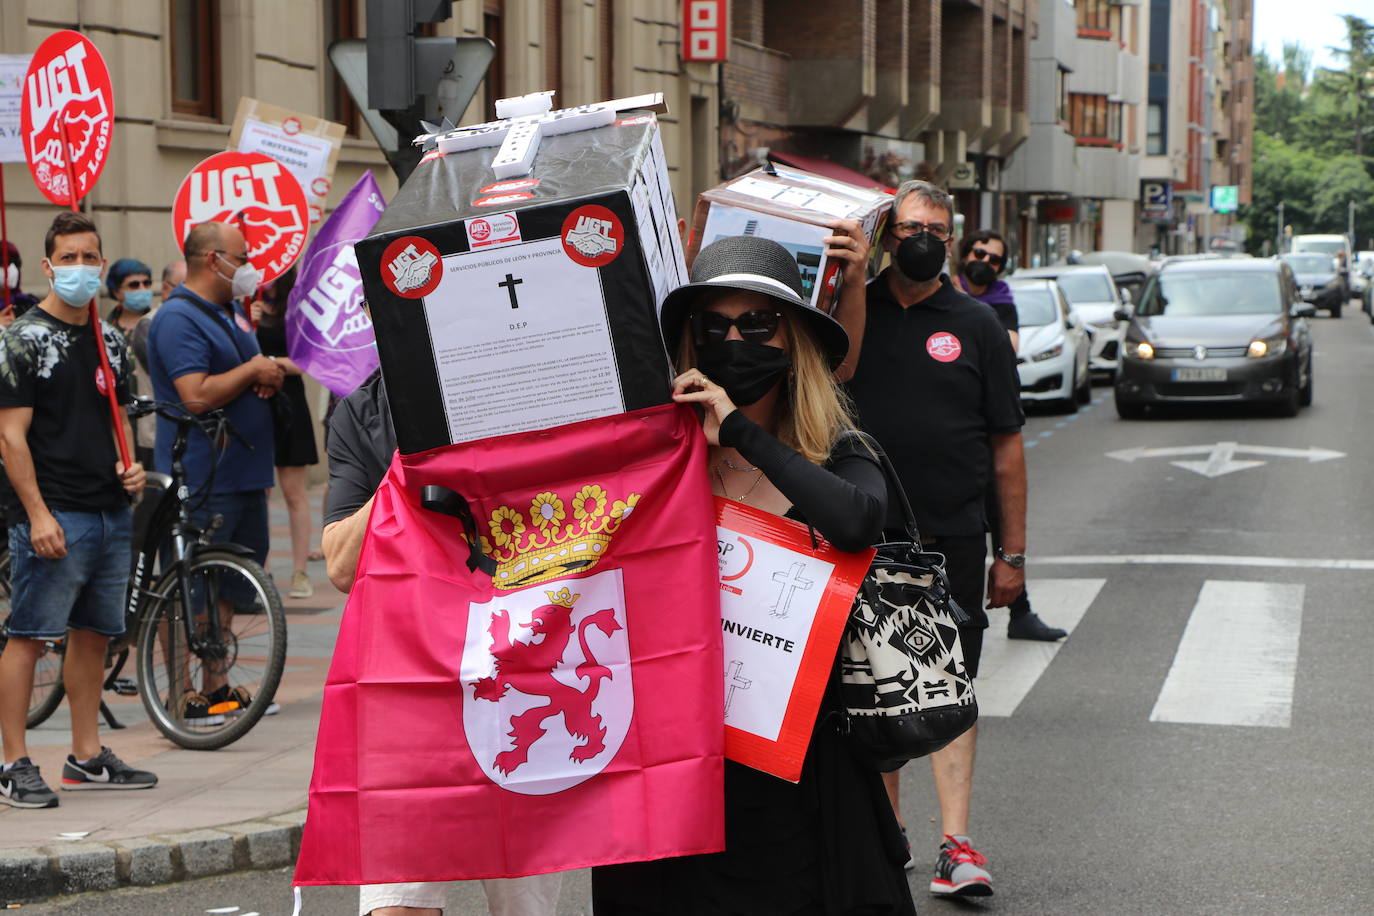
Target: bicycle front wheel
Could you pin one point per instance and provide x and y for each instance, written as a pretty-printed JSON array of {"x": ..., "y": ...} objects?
[
  {"x": 210, "y": 657},
  {"x": 47, "y": 691}
]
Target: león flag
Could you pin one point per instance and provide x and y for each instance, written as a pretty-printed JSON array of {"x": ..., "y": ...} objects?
[{"x": 559, "y": 708}]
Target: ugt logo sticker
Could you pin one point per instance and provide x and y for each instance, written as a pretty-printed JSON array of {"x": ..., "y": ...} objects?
[
  {"x": 593, "y": 236},
  {"x": 944, "y": 346},
  {"x": 410, "y": 267}
]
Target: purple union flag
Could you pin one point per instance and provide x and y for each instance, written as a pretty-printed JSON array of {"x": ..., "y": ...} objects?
[{"x": 327, "y": 332}]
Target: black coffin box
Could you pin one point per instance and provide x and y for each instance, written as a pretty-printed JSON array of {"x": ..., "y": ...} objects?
[{"x": 505, "y": 306}]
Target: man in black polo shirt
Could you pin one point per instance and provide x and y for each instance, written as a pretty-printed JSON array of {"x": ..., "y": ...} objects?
[{"x": 937, "y": 386}]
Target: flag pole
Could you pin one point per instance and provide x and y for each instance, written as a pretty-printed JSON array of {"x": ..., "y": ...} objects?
[{"x": 116, "y": 414}]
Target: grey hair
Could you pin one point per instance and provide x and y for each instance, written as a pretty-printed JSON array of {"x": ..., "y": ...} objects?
[{"x": 924, "y": 191}]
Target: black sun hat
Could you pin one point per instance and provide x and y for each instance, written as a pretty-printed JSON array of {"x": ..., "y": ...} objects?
[{"x": 757, "y": 265}]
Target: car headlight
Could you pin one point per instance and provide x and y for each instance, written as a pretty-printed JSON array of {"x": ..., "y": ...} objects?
[
  {"x": 1051, "y": 353},
  {"x": 1143, "y": 350},
  {"x": 1274, "y": 346}
]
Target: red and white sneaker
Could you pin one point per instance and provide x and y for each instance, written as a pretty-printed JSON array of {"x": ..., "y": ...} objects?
[{"x": 959, "y": 870}]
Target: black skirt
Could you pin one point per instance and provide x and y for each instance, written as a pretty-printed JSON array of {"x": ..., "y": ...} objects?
[
  {"x": 298, "y": 448},
  {"x": 828, "y": 846}
]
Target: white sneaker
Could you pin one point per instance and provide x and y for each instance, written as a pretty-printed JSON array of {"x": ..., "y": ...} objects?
[{"x": 300, "y": 586}]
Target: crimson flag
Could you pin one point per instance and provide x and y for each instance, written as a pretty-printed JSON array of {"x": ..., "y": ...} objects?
[{"x": 560, "y": 708}]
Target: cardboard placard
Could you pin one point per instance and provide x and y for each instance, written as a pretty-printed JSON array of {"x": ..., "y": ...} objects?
[
  {"x": 507, "y": 305},
  {"x": 784, "y": 604},
  {"x": 793, "y": 208},
  {"x": 12, "y": 70},
  {"x": 307, "y": 145}
]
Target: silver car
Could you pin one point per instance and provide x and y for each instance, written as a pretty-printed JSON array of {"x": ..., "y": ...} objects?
[{"x": 1095, "y": 297}]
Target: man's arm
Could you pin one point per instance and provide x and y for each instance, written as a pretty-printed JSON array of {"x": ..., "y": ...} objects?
[
  {"x": 45, "y": 533},
  {"x": 849, "y": 246},
  {"x": 1009, "y": 471},
  {"x": 341, "y": 543},
  {"x": 202, "y": 391}
]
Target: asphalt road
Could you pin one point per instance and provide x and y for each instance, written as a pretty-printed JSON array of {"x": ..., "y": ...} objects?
[{"x": 1114, "y": 772}]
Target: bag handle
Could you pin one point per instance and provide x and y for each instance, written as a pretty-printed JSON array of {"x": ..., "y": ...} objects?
[{"x": 894, "y": 485}]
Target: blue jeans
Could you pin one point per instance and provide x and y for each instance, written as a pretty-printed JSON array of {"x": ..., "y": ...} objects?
[{"x": 85, "y": 590}]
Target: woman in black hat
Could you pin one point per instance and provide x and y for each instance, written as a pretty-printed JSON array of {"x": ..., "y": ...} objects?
[{"x": 759, "y": 361}]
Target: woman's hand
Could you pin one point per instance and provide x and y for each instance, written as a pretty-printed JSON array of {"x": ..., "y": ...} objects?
[
  {"x": 692, "y": 387},
  {"x": 850, "y": 247}
]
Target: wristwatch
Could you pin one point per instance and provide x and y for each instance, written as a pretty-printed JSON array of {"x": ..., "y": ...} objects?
[{"x": 1014, "y": 560}]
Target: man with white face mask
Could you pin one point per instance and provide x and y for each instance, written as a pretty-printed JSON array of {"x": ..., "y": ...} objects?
[
  {"x": 68, "y": 513},
  {"x": 202, "y": 351}
]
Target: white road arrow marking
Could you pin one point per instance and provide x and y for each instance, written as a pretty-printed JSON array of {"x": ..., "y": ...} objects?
[{"x": 1221, "y": 456}]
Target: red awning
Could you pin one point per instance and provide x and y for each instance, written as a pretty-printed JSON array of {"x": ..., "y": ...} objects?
[{"x": 828, "y": 169}]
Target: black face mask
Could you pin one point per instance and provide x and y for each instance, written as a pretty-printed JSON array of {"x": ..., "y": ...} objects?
[
  {"x": 920, "y": 257},
  {"x": 979, "y": 273},
  {"x": 746, "y": 370}
]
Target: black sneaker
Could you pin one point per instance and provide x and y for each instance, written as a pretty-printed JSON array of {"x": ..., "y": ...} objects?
[
  {"x": 235, "y": 700},
  {"x": 195, "y": 710},
  {"x": 104, "y": 771},
  {"x": 1030, "y": 626},
  {"x": 22, "y": 787}
]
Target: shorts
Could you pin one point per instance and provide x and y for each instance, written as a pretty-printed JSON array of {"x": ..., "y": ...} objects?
[
  {"x": 535, "y": 895},
  {"x": 965, "y": 564},
  {"x": 85, "y": 590},
  {"x": 244, "y": 517}
]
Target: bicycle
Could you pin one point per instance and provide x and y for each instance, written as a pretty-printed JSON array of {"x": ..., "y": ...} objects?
[{"x": 196, "y": 612}]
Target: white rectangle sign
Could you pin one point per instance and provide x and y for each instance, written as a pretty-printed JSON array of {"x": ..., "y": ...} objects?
[
  {"x": 521, "y": 341},
  {"x": 12, "y": 70},
  {"x": 769, "y": 596}
]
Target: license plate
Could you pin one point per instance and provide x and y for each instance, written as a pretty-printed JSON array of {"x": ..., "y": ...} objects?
[{"x": 1199, "y": 375}]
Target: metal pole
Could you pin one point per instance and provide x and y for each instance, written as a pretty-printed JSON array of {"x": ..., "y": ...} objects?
[{"x": 1278, "y": 234}]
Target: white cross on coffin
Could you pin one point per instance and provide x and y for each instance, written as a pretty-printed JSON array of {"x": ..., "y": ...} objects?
[{"x": 525, "y": 120}]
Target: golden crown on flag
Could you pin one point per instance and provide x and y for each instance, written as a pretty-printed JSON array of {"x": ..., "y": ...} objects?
[{"x": 544, "y": 544}]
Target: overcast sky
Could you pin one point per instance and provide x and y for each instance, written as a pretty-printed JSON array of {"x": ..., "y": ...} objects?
[{"x": 1313, "y": 23}]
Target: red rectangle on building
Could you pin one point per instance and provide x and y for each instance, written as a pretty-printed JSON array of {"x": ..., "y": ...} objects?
[{"x": 704, "y": 36}]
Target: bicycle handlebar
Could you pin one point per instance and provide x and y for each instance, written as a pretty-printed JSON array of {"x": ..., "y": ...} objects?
[{"x": 212, "y": 422}]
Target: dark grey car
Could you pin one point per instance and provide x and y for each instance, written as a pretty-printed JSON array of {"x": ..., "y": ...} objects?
[
  {"x": 1224, "y": 330},
  {"x": 1319, "y": 280}
]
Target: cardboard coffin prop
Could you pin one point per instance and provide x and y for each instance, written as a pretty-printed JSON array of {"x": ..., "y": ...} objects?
[
  {"x": 502, "y": 304},
  {"x": 794, "y": 209}
]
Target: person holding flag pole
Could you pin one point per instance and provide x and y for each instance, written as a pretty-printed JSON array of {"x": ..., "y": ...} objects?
[{"x": 70, "y": 525}]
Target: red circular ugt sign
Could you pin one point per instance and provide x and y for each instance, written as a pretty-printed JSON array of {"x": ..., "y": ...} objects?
[
  {"x": 66, "y": 84},
  {"x": 257, "y": 194}
]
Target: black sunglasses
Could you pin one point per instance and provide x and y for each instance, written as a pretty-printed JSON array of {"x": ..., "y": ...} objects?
[
  {"x": 982, "y": 254},
  {"x": 757, "y": 325}
]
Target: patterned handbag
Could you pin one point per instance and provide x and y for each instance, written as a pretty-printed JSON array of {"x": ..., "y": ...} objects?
[{"x": 903, "y": 684}]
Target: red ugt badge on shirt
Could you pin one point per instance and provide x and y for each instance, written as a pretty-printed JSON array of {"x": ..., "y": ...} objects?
[{"x": 944, "y": 346}]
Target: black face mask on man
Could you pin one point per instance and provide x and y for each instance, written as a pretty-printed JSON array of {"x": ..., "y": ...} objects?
[
  {"x": 920, "y": 257},
  {"x": 746, "y": 370},
  {"x": 979, "y": 273}
]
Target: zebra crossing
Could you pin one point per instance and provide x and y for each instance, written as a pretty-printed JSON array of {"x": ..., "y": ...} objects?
[{"x": 1235, "y": 663}]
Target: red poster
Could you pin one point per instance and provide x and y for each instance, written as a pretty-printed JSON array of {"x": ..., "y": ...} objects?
[
  {"x": 66, "y": 84},
  {"x": 704, "y": 34},
  {"x": 552, "y": 710},
  {"x": 257, "y": 194},
  {"x": 784, "y": 601}
]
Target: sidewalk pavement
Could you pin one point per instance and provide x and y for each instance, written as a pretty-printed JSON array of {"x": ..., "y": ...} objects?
[{"x": 212, "y": 811}]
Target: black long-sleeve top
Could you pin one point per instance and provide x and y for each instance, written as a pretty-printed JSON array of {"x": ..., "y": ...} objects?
[{"x": 845, "y": 500}]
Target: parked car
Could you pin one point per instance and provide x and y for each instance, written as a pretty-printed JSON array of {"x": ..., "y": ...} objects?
[
  {"x": 1052, "y": 356},
  {"x": 1363, "y": 269},
  {"x": 1319, "y": 280},
  {"x": 1224, "y": 330},
  {"x": 1091, "y": 292}
]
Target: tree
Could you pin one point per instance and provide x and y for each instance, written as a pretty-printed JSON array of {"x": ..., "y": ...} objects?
[{"x": 1353, "y": 86}]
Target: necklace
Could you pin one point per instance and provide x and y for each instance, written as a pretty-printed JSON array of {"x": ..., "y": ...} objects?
[
  {"x": 744, "y": 498},
  {"x": 732, "y": 466}
]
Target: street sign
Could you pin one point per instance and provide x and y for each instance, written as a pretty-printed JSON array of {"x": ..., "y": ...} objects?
[
  {"x": 1220, "y": 457},
  {"x": 1225, "y": 198},
  {"x": 466, "y": 62},
  {"x": 68, "y": 103},
  {"x": 257, "y": 194},
  {"x": 1156, "y": 200}
]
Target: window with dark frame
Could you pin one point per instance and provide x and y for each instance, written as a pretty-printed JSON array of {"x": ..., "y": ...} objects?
[
  {"x": 340, "y": 21},
  {"x": 195, "y": 57},
  {"x": 494, "y": 85}
]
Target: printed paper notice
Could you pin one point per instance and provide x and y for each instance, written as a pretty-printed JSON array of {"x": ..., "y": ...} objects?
[
  {"x": 521, "y": 341},
  {"x": 12, "y": 70},
  {"x": 769, "y": 596}
]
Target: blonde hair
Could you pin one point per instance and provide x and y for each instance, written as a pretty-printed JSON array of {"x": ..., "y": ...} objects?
[{"x": 817, "y": 410}]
